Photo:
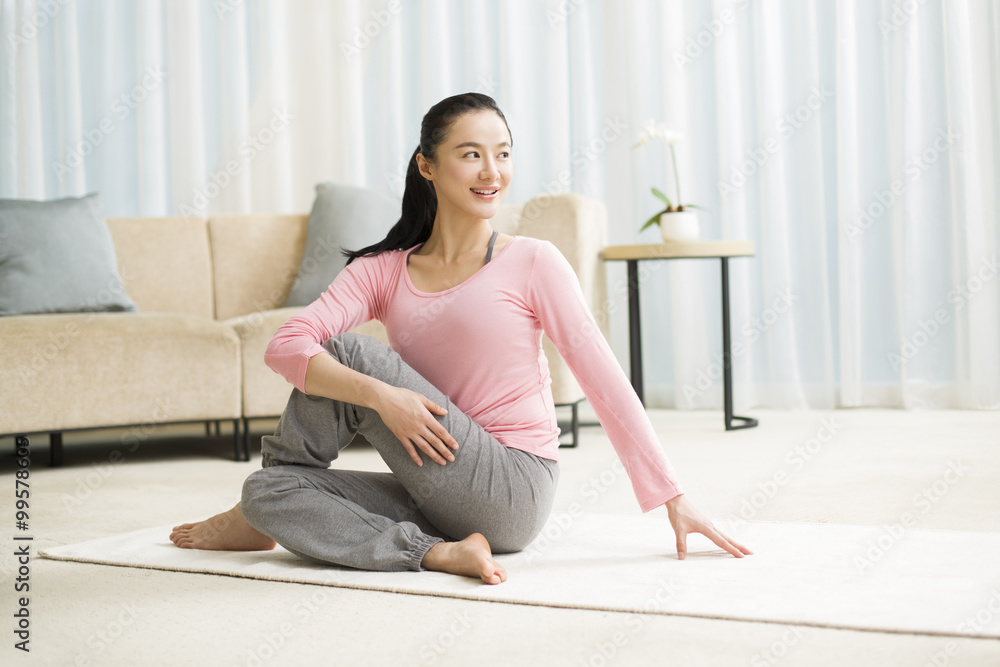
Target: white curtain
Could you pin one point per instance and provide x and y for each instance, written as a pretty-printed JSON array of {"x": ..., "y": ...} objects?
[{"x": 855, "y": 142}]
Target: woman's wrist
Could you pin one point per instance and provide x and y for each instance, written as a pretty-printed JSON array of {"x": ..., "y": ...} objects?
[{"x": 673, "y": 501}]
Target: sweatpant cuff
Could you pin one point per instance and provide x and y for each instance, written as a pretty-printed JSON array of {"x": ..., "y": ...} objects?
[{"x": 420, "y": 549}]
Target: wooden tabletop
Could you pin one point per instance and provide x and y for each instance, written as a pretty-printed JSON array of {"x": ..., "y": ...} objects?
[{"x": 680, "y": 250}]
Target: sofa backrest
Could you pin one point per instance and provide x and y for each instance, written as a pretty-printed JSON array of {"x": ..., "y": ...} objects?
[
  {"x": 256, "y": 258},
  {"x": 165, "y": 264},
  {"x": 233, "y": 265}
]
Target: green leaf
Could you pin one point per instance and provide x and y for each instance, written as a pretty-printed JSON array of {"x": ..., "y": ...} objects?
[
  {"x": 700, "y": 208},
  {"x": 662, "y": 197},
  {"x": 655, "y": 220}
]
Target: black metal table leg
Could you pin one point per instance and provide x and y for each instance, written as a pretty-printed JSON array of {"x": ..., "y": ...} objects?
[
  {"x": 634, "y": 333},
  {"x": 727, "y": 361},
  {"x": 56, "y": 449}
]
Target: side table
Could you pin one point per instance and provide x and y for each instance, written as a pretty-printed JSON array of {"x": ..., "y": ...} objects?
[{"x": 722, "y": 250}]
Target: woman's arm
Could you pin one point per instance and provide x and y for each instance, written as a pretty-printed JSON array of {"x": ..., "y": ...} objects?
[
  {"x": 556, "y": 297},
  {"x": 296, "y": 353},
  {"x": 406, "y": 412}
]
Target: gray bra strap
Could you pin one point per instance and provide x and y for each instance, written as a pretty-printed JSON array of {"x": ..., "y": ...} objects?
[{"x": 489, "y": 251}]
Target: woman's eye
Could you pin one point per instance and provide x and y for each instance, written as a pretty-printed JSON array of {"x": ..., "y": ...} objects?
[
  {"x": 505, "y": 154},
  {"x": 471, "y": 153}
]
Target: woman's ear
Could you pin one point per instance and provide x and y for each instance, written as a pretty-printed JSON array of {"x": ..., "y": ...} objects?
[{"x": 424, "y": 167}]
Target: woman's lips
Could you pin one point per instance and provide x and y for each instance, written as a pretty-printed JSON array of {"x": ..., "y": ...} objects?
[{"x": 485, "y": 193}]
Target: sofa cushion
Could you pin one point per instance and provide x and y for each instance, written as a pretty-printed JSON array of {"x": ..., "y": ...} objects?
[
  {"x": 254, "y": 259},
  {"x": 342, "y": 216},
  {"x": 265, "y": 392},
  {"x": 57, "y": 257},
  {"x": 165, "y": 263},
  {"x": 60, "y": 372}
]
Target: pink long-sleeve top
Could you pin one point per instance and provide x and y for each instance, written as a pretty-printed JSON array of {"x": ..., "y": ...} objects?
[{"x": 480, "y": 343}]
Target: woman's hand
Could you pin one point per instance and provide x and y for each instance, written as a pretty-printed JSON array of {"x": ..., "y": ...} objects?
[
  {"x": 685, "y": 518},
  {"x": 408, "y": 415}
]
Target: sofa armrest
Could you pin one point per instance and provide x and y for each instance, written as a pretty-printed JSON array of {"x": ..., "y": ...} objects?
[{"x": 577, "y": 225}]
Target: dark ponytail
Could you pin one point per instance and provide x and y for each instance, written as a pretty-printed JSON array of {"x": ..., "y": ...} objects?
[{"x": 419, "y": 198}]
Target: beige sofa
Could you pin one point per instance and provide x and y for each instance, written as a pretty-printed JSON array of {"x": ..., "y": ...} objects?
[{"x": 209, "y": 294}]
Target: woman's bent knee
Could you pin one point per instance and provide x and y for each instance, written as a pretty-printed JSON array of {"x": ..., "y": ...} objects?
[{"x": 259, "y": 486}]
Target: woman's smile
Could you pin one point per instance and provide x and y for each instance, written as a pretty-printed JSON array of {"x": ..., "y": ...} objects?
[{"x": 487, "y": 193}]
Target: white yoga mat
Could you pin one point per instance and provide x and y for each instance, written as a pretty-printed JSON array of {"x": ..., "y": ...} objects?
[{"x": 827, "y": 575}]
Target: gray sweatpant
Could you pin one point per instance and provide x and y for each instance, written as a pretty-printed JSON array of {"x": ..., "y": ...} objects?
[{"x": 388, "y": 521}]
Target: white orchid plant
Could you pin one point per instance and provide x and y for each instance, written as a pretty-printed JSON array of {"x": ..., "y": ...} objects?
[{"x": 653, "y": 130}]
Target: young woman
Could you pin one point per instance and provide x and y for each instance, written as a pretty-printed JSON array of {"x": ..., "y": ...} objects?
[{"x": 460, "y": 406}]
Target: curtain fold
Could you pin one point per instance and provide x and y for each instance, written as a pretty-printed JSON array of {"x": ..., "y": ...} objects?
[{"x": 856, "y": 143}]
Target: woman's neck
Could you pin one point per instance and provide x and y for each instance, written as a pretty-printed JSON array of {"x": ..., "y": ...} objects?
[{"x": 455, "y": 237}]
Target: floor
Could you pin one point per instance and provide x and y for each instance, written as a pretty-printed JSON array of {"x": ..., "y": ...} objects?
[{"x": 860, "y": 466}]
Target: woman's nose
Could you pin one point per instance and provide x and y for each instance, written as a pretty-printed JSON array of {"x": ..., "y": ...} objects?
[{"x": 489, "y": 171}]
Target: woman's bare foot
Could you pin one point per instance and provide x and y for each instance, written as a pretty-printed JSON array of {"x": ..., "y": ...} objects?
[
  {"x": 471, "y": 557},
  {"x": 228, "y": 531}
]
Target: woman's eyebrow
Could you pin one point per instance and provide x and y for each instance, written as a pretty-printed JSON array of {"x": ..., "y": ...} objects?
[{"x": 473, "y": 144}]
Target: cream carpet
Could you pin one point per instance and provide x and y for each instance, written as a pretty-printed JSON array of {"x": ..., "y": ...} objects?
[{"x": 817, "y": 574}]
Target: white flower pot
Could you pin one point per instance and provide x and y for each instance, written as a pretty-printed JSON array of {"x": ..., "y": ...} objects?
[{"x": 679, "y": 226}]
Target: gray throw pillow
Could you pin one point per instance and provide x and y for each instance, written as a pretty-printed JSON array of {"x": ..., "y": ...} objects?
[
  {"x": 343, "y": 216},
  {"x": 57, "y": 257}
]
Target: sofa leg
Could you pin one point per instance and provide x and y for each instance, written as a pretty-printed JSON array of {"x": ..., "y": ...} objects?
[
  {"x": 246, "y": 438},
  {"x": 55, "y": 449},
  {"x": 237, "y": 441}
]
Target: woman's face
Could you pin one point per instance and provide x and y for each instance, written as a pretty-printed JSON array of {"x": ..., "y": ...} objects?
[{"x": 474, "y": 166}]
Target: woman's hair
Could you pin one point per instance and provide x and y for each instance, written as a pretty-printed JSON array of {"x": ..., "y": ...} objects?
[{"x": 419, "y": 199}]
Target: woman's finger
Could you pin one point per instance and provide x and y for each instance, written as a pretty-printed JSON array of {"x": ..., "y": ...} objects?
[
  {"x": 439, "y": 445},
  {"x": 408, "y": 446},
  {"x": 681, "y": 545},
  {"x": 740, "y": 546},
  {"x": 722, "y": 541},
  {"x": 733, "y": 542},
  {"x": 433, "y": 407},
  {"x": 442, "y": 433},
  {"x": 428, "y": 449}
]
